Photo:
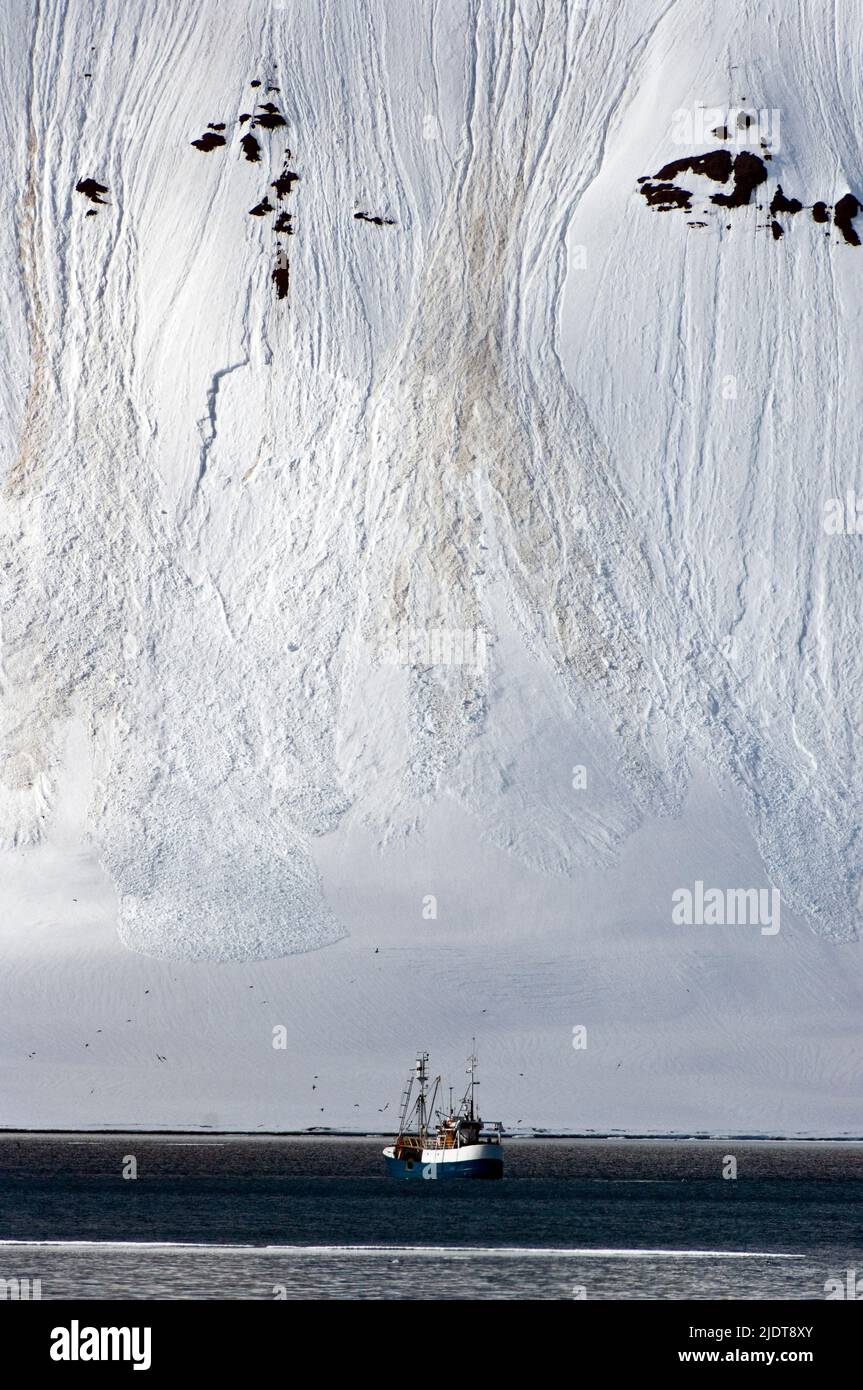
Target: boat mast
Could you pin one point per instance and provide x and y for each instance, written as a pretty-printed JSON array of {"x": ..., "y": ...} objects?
[
  {"x": 422, "y": 1082},
  {"x": 471, "y": 1066}
]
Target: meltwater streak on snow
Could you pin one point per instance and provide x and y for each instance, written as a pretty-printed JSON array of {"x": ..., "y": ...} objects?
[
  {"x": 223, "y": 505},
  {"x": 481, "y": 461},
  {"x": 454, "y": 1252}
]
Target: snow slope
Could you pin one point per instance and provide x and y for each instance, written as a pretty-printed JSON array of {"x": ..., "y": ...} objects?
[{"x": 521, "y": 415}]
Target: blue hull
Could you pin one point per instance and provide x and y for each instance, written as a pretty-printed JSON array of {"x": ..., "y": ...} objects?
[{"x": 473, "y": 1168}]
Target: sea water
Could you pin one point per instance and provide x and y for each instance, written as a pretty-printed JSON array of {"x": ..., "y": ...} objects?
[{"x": 276, "y": 1218}]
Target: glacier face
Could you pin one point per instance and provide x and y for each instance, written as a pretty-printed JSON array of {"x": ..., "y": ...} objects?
[{"x": 518, "y": 406}]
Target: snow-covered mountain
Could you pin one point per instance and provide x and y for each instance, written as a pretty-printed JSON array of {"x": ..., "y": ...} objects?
[{"x": 429, "y": 534}]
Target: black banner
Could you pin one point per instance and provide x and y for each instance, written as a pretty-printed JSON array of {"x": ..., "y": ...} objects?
[{"x": 155, "y": 1338}]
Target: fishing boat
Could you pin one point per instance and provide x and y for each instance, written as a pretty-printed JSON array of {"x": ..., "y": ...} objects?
[{"x": 460, "y": 1146}]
